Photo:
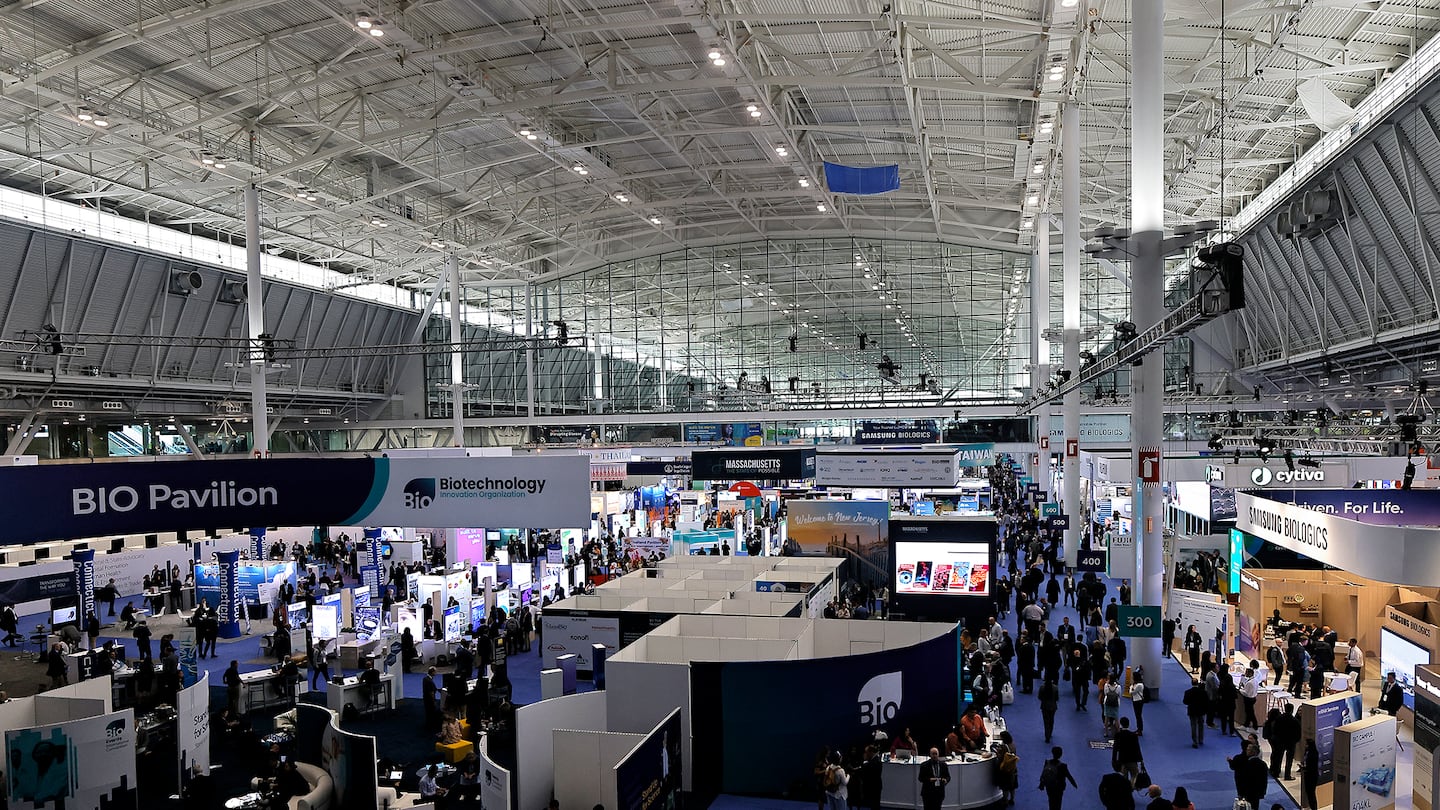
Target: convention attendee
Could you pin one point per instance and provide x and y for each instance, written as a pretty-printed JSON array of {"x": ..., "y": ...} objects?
[
  {"x": 1252, "y": 778},
  {"x": 1196, "y": 705},
  {"x": 107, "y": 594},
  {"x": 408, "y": 654},
  {"x": 972, "y": 729},
  {"x": 903, "y": 742},
  {"x": 1157, "y": 799},
  {"x": 1049, "y": 701},
  {"x": 1309, "y": 776},
  {"x": 430, "y": 695},
  {"x": 1053, "y": 776},
  {"x": 369, "y": 683},
  {"x": 1182, "y": 800},
  {"x": 1355, "y": 663},
  {"x": 1116, "y": 792},
  {"x": 934, "y": 778},
  {"x": 231, "y": 679},
  {"x": 450, "y": 730},
  {"x": 55, "y": 666},
  {"x": 871, "y": 779},
  {"x": 92, "y": 629},
  {"x": 467, "y": 787},
  {"x": 10, "y": 623},
  {"x": 1392, "y": 695},
  {"x": 1249, "y": 690},
  {"x": 1194, "y": 643},
  {"x": 1125, "y": 754},
  {"x": 837, "y": 792}
]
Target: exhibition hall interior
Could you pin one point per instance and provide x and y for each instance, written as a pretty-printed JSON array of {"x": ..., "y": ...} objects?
[{"x": 737, "y": 404}]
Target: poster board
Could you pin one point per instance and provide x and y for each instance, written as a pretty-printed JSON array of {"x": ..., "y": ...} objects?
[
  {"x": 650, "y": 776},
  {"x": 192, "y": 728},
  {"x": 1427, "y": 737},
  {"x": 84, "y": 764},
  {"x": 1365, "y": 775},
  {"x": 1318, "y": 720}
]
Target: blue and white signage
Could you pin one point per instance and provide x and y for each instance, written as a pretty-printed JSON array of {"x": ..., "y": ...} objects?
[{"x": 72, "y": 500}]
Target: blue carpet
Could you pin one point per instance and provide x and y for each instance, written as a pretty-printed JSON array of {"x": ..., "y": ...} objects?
[{"x": 1168, "y": 755}]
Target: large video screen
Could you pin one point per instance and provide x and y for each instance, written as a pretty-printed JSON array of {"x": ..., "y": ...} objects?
[
  {"x": 942, "y": 569},
  {"x": 1400, "y": 655}
]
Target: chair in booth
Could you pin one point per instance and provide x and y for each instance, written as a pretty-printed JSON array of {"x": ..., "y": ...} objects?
[{"x": 454, "y": 752}]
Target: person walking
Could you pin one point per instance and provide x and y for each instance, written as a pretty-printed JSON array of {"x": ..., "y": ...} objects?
[
  {"x": 1053, "y": 776},
  {"x": 1116, "y": 792},
  {"x": 1193, "y": 645},
  {"x": 1249, "y": 690},
  {"x": 10, "y": 623},
  {"x": 1049, "y": 702},
  {"x": 1125, "y": 754},
  {"x": 934, "y": 777},
  {"x": 319, "y": 663},
  {"x": 1196, "y": 705},
  {"x": 55, "y": 666},
  {"x": 1309, "y": 776},
  {"x": 1355, "y": 663},
  {"x": 871, "y": 779},
  {"x": 1284, "y": 739},
  {"x": 231, "y": 679},
  {"x": 1225, "y": 703},
  {"x": 430, "y": 695},
  {"x": 1252, "y": 778},
  {"x": 1080, "y": 680},
  {"x": 1139, "y": 692},
  {"x": 836, "y": 780}
]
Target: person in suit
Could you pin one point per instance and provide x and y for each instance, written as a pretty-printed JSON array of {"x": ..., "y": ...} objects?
[
  {"x": 871, "y": 779},
  {"x": 1053, "y": 776},
  {"x": 934, "y": 776},
  {"x": 1392, "y": 695},
  {"x": 1310, "y": 775}
]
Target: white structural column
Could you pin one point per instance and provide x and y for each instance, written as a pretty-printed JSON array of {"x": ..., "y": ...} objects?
[
  {"x": 255, "y": 311},
  {"x": 530, "y": 349},
  {"x": 457, "y": 356},
  {"x": 1147, "y": 302},
  {"x": 1039, "y": 346},
  {"x": 1070, "y": 317}
]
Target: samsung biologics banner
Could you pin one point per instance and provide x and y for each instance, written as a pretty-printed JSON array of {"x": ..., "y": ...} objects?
[
  {"x": 96, "y": 500},
  {"x": 1404, "y": 555},
  {"x": 887, "y": 468},
  {"x": 769, "y": 464},
  {"x": 83, "y": 561}
]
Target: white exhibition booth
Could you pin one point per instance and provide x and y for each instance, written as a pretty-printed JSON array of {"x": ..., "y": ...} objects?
[{"x": 651, "y": 678}]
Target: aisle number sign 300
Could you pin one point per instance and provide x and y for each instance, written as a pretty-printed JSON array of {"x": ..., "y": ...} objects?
[{"x": 1138, "y": 621}]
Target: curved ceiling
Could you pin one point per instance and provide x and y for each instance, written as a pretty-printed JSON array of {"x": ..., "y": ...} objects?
[{"x": 409, "y": 143}]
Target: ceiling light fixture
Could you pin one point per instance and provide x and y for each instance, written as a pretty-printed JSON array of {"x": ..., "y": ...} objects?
[
  {"x": 364, "y": 22},
  {"x": 85, "y": 114},
  {"x": 622, "y": 197},
  {"x": 207, "y": 158},
  {"x": 782, "y": 151},
  {"x": 715, "y": 53},
  {"x": 219, "y": 163},
  {"x": 654, "y": 220},
  {"x": 1039, "y": 168},
  {"x": 821, "y": 207},
  {"x": 804, "y": 183},
  {"x": 100, "y": 120}
]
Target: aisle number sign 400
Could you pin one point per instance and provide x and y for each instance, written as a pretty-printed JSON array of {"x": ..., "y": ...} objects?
[{"x": 1138, "y": 621}]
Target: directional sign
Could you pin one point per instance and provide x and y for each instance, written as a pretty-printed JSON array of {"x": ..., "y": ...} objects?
[
  {"x": 1072, "y": 448},
  {"x": 1090, "y": 561},
  {"x": 1044, "y": 442},
  {"x": 1060, "y": 522},
  {"x": 1032, "y": 487},
  {"x": 1049, "y": 509},
  {"x": 1149, "y": 466},
  {"x": 1138, "y": 621}
]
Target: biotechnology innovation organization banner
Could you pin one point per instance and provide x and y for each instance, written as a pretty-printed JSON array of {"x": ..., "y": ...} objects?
[
  {"x": 86, "y": 764},
  {"x": 96, "y": 500}
]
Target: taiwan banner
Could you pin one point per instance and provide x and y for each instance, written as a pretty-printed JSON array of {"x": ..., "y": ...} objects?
[
  {"x": 84, "y": 563},
  {"x": 370, "y": 566},
  {"x": 229, "y": 606}
]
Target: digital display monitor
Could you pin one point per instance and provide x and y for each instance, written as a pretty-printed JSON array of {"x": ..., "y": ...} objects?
[
  {"x": 470, "y": 545},
  {"x": 65, "y": 615},
  {"x": 942, "y": 569},
  {"x": 454, "y": 623},
  {"x": 1400, "y": 655}
]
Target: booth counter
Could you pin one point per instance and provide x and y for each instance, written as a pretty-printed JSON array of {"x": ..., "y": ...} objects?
[
  {"x": 972, "y": 782},
  {"x": 350, "y": 691},
  {"x": 263, "y": 688}
]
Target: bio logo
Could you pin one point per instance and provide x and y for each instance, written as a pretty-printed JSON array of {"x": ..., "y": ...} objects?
[
  {"x": 419, "y": 493},
  {"x": 879, "y": 699}
]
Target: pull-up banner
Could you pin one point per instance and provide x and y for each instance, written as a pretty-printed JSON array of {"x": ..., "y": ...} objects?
[
  {"x": 228, "y": 610},
  {"x": 769, "y": 464},
  {"x": 96, "y": 500},
  {"x": 257, "y": 543},
  {"x": 83, "y": 561},
  {"x": 370, "y": 569}
]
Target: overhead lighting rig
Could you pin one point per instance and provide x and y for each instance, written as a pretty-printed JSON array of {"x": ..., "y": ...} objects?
[{"x": 1220, "y": 283}]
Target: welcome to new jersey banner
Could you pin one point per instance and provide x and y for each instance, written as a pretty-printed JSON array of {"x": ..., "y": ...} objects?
[{"x": 92, "y": 500}]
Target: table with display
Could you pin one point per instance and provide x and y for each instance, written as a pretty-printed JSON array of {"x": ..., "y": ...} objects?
[
  {"x": 187, "y": 598},
  {"x": 972, "y": 781},
  {"x": 258, "y": 690},
  {"x": 350, "y": 690},
  {"x": 353, "y": 651}
]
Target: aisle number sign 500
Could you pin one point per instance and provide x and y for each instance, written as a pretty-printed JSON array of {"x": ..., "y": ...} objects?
[{"x": 1138, "y": 621}]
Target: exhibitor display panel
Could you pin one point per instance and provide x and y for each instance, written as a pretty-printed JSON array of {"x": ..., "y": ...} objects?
[{"x": 943, "y": 568}]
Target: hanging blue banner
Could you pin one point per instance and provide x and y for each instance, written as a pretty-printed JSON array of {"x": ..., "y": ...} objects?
[
  {"x": 857, "y": 180},
  {"x": 84, "y": 563},
  {"x": 257, "y": 543},
  {"x": 230, "y": 605},
  {"x": 371, "y": 567}
]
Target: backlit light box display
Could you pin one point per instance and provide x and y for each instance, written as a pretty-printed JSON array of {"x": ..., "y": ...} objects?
[{"x": 942, "y": 569}]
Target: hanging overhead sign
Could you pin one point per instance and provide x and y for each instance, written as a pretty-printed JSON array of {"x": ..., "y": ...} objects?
[
  {"x": 1405, "y": 555},
  {"x": 768, "y": 464},
  {"x": 96, "y": 500},
  {"x": 888, "y": 468}
]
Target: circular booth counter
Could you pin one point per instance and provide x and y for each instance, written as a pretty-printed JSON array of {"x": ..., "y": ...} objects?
[{"x": 972, "y": 782}]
